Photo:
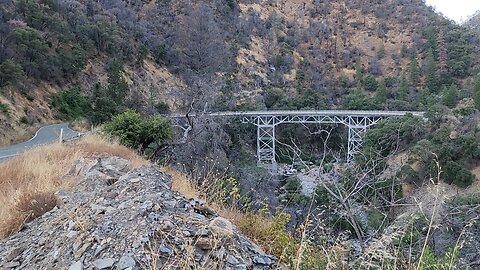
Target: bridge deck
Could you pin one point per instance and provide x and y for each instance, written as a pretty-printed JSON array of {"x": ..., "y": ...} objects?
[
  {"x": 266, "y": 121},
  {"x": 309, "y": 113}
]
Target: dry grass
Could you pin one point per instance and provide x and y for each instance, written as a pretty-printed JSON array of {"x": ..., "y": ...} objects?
[
  {"x": 181, "y": 182},
  {"x": 93, "y": 145},
  {"x": 29, "y": 181},
  {"x": 221, "y": 194}
]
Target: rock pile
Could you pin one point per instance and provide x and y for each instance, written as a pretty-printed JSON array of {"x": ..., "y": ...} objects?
[{"x": 120, "y": 219}]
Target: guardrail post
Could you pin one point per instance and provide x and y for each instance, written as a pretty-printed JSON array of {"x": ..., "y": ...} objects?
[{"x": 61, "y": 136}]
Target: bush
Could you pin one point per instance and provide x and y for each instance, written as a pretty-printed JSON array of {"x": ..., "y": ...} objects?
[
  {"x": 389, "y": 134},
  {"x": 464, "y": 178},
  {"x": 454, "y": 173},
  {"x": 159, "y": 54},
  {"x": 360, "y": 101},
  {"x": 270, "y": 232},
  {"x": 162, "y": 107},
  {"x": 10, "y": 72},
  {"x": 430, "y": 261},
  {"x": 135, "y": 132},
  {"x": 370, "y": 83},
  {"x": 4, "y": 108},
  {"x": 72, "y": 103}
]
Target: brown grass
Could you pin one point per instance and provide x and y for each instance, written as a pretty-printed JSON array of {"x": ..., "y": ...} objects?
[
  {"x": 29, "y": 181},
  {"x": 92, "y": 145},
  {"x": 181, "y": 182}
]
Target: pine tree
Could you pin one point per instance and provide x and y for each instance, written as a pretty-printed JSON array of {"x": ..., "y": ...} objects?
[
  {"x": 424, "y": 98},
  {"x": 476, "y": 93},
  {"x": 414, "y": 71},
  {"x": 431, "y": 80},
  {"x": 103, "y": 107},
  {"x": 450, "y": 96},
  {"x": 117, "y": 86},
  {"x": 381, "y": 94},
  {"x": 442, "y": 54},
  {"x": 358, "y": 70},
  {"x": 381, "y": 51},
  {"x": 431, "y": 36},
  {"x": 403, "y": 90}
]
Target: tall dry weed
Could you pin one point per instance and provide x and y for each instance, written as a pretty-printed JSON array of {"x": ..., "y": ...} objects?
[{"x": 29, "y": 181}]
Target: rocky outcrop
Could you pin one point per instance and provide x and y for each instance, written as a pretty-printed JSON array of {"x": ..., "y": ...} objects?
[{"x": 119, "y": 219}]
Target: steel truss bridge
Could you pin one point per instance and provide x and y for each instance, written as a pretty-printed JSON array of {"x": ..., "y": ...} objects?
[{"x": 266, "y": 122}]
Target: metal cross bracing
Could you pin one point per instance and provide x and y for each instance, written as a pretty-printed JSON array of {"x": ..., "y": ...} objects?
[
  {"x": 266, "y": 121},
  {"x": 357, "y": 126}
]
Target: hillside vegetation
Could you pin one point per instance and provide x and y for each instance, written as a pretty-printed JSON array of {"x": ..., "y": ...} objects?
[
  {"x": 408, "y": 201},
  {"x": 152, "y": 56}
]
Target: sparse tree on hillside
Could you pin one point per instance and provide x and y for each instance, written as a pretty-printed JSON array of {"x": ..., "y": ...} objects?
[
  {"x": 403, "y": 89},
  {"x": 414, "y": 71},
  {"x": 201, "y": 43},
  {"x": 381, "y": 94},
  {"x": 442, "y": 54},
  {"x": 450, "y": 96},
  {"x": 476, "y": 92},
  {"x": 431, "y": 80},
  {"x": 117, "y": 86},
  {"x": 10, "y": 72},
  {"x": 431, "y": 36},
  {"x": 381, "y": 51},
  {"x": 103, "y": 107},
  {"x": 359, "y": 70}
]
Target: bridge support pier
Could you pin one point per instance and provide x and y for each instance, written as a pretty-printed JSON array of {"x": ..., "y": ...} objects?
[
  {"x": 266, "y": 142},
  {"x": 357, "y": 127}
]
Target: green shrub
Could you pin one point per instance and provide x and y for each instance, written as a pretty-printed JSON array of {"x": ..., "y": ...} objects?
[
  {"x": 391, "y": 133},
  {"x": 159, "y": 53},
  {"x": 450, "y": 96},
  {"x": 162, "y": 107},
  {"x": 360, "y": 101},
  {"x": 24, "y": 120},
  {"x": 472, "y": 199},
  {"x": 430, "y": 261},
  {"x": 72, "y": 103},
  {"x": 4, "y": 108},
  {"x": 135, "y": 132},
  {"x": 271, "y": 233},
  {"x": 370, "y": 83},
  {"x": 10, "y": 72},
  {"x": 375, "y": 219},
  {"x": 408, "y": 174},
  {"x": 322, "y": 197},
  {"x": 464, "y": 178},
  {"x": 454, "y": 173},
  {"x": 292, "y": 184}
]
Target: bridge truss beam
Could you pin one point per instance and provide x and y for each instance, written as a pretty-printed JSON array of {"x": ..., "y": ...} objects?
[{"x": 357, "y": 126}]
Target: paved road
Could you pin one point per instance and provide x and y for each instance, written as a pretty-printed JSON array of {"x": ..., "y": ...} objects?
[
  {"x": 310, "y": 113},
  {"x": 45, "y": 135}
]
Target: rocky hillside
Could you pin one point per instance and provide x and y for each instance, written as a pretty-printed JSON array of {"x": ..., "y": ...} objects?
[
  {"x": 117, "y": 218},
  {"x": 221, "y": 54}
]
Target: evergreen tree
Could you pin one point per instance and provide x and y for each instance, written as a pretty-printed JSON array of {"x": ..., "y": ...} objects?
[
  {"x": 381, "y": 51},
  {"x": 414, "y": 71},
  {"x": 424, "y": 99},
  {"x": 117, "y": 86},
  {"x": 381, "y": 94},
  {"x": 431, "y": 80},
  {"x": 450, "y": 96},
  {"x": 103, "y": 107},
  {"x": 431, "y": 36},
  {"x": 476, "y": 93},
  {"x": 358, "y": 70},
  {"x": 442, "y": 54},
  {"x": 10, "y": 72},
  {"x": 403, "y": 90}
]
